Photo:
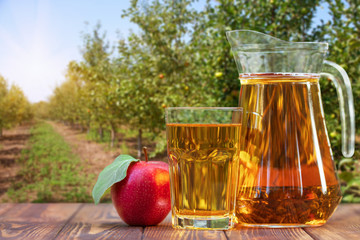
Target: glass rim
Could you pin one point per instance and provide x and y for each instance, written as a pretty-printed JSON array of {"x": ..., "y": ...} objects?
[
  {"x": 170, "y": 113},
  {"x": 204, "y": 108}
]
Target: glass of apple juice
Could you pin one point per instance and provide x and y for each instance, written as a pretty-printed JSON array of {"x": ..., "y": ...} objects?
[{"x": 203, "y": 146}]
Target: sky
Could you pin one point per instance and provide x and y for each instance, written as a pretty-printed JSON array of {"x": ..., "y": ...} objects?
[{"x": 38, "y": 38}]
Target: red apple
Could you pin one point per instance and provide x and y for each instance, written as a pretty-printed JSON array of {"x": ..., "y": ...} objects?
[{"x": 143, "y": 197}]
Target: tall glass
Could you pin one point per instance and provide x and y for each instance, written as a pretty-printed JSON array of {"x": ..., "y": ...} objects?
[{"x": 203, "y": 147}]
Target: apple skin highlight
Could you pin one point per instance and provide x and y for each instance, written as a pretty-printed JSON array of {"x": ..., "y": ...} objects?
[{"x": 143, "y": 197}]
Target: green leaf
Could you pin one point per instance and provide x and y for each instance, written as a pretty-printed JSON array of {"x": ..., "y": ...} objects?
[{"x": 111, "y": 174}]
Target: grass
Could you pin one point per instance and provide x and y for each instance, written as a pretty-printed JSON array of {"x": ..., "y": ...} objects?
[
  {"x": 50, "y": 171},
  {"x": 124, "y": 148}
]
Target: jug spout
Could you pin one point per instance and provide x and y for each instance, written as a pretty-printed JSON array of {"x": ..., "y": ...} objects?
[{"x": 255, "y": 52}]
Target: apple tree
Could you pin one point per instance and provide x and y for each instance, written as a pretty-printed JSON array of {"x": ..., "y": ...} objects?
[
  {"x": 3, "y": 93},
  {"x": 287, "y": 20},
  {"x": 159, "y": 63},
  {"x": 101, "y": 83},
  {"x": 14, "y": 106}
]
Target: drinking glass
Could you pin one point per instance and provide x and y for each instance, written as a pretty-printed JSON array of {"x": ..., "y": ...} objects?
[{"x": 203, "y": 147}]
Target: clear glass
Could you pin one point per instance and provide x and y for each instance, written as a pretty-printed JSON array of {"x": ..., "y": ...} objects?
[
  {"x": 287, "y": 176},
  {"x": 347, "y": 113},
  {"x": 203, "y": 150}
]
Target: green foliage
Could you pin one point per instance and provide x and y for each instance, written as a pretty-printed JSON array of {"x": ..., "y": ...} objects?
[
  {"x": 50, "y": 172},
  {"x": 161, "y": 144},
  {"x": 287, "y": 20},
  {"x": 93, "y": 135},
  {"x": 66, "y": 103},
  {"x": 41, "y": 110},
  {"x": 350, "y": 178},
  {"x": 14, "y": 106},
  {"x": 124, "y": 149}
]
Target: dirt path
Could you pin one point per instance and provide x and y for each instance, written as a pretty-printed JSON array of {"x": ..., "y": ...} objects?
[
  {"x": 11, "y": 144},
  {"x": 93, "y": 155}
]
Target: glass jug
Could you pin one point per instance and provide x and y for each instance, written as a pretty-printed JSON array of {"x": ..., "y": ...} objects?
[{"x": 287, "y": 176}]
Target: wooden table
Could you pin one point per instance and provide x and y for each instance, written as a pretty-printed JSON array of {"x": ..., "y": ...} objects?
[{"x": 87, "y": 221}]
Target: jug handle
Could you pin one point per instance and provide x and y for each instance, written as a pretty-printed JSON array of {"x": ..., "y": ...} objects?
[{"x": 347, "y": 114}]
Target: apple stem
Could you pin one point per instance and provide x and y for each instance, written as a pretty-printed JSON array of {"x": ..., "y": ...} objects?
[{"x": 145, "y": 153}]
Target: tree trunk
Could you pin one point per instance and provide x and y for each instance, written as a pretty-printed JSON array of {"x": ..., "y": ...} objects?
[
  {"x": 88, "y": 127},
  {"x": 113, "y": 136},
  {"x": 139, "y": 143},
  {"x": 101, "y": 133},
  {"x": 1, "y": 132}
]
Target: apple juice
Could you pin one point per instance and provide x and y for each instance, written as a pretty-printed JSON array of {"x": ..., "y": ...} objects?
[
  {"x": 203, "y": 161},
  {"x": 286, "y": 172}
]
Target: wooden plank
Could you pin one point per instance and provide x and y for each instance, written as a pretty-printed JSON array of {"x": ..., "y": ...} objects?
[
  {"x": 165, "y": 231},
  {"x": 344, "y": 224},
  {"x": 267, "y": 233},
  {"x": 87, "y": 221},
  {"x": 4, "y": 207},
  {"x": 36, "y": 212},
  {"x": 24, "y": 230},
  {"x": 98, "y": 222},
  {"x": 34, "y": 221}
]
